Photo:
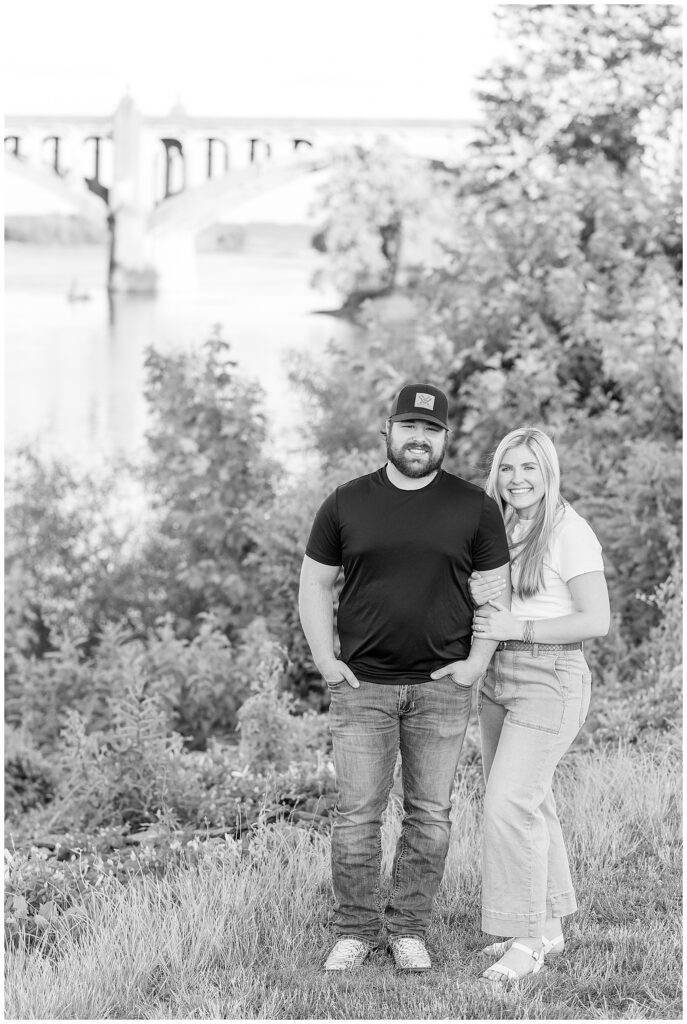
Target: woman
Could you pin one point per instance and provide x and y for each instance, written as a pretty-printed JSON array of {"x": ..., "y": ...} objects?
[{"x": 533, "y": 699}]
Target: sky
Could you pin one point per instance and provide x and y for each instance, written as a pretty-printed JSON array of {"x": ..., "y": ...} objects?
[{"x": 315, "y": 58}]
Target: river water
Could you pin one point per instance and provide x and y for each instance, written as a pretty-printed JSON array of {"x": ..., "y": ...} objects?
[{"x": 74, "y": 372}]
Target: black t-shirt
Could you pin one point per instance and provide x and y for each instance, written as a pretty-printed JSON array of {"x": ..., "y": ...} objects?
[{"x": 405, "y": 607}]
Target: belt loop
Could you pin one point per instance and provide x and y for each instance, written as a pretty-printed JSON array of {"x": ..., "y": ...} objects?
[{"x": 535, "y": 650}]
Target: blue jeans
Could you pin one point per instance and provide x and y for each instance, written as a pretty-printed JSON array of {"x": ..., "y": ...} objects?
[
  {"x": 426, "y": 722},
  {"x": 531, "y": 708}
]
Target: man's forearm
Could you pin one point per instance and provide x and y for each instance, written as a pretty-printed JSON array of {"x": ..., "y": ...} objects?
[
  {"x": 315, "y": 607},
  {"x": 481, "y": 653}
]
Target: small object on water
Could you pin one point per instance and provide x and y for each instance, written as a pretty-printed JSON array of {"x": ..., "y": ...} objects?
[{"x": 76, "y": 295}]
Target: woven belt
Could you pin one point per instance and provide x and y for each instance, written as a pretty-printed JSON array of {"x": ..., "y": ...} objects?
[{"x": 520, "y": 645}]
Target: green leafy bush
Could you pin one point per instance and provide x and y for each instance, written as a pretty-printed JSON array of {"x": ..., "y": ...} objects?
[
  {"x": 46, "y": 896},
  {"x": 69, "y": 553},
  {"x": 127, "y": 766},
  {"x": 41, "y": 693},
  {"x": 52, "y": 886},
  {"x": 271, "y": 736},
  {"x": 640, "y": 697},
  {"x": 84, "y": 552},
  {"x": 201, "y": 682},
  {"x": 128, "y": 774},
  {"x": 206, "y": 464},
  {"x": 29, "y": 776},
  {"x": 370, "y": 207},
  {"x": 82, "y": 559}
]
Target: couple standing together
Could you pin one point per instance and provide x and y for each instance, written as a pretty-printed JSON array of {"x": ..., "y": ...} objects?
[{"x": 426, "y": 611}]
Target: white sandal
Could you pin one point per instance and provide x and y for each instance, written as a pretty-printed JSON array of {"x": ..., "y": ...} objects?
[
  {"x": 551, "y": 947},
  {"x": 508, "y": 974}
]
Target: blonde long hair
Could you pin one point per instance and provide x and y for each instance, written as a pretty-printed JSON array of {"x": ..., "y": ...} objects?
[{"x": 529, "y": 553}]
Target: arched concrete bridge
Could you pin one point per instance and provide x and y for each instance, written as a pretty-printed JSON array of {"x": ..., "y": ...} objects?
[{"x": 163, "y": 180}]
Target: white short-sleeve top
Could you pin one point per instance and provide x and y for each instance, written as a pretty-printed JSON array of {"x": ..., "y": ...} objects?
[{"x": 574, "y": 550}]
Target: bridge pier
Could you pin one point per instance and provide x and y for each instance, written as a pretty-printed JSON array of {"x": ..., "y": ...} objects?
[{"x": 131, "y": 268}]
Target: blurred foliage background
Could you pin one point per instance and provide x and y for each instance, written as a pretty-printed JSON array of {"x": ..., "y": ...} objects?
[{"x": 539, "y": 283}]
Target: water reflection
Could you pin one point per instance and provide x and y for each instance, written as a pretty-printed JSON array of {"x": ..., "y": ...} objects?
[
  {"x": 131, "y": 330},
  {"x": 74, "y": 371}
]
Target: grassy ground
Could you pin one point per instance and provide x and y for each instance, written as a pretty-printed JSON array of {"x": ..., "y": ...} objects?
[{"x": 244, "y": 937}]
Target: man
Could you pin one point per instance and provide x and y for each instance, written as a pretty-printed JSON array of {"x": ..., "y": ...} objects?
[{"x": 408, "y": 536}]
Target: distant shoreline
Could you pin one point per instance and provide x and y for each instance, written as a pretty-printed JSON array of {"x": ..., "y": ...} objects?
[{"x": 73, "y": 230}]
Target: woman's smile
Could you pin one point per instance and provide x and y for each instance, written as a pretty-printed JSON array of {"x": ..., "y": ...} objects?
[{"x": 521, "y": 481}]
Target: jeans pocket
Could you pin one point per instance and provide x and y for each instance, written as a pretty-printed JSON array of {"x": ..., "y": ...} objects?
[
  {"x": 586, "y": 696},
  {"x": 462, "y": 686},
  {"x": 335, "y": 690},
  {"x": 541, "y": 694}
]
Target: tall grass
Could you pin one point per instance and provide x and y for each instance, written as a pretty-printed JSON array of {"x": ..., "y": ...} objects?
[{"x": 244, "y": 937}]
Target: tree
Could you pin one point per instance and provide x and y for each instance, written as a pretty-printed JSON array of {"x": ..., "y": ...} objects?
[
  {"x": 349, "y": 392},
  {"x": 371, "y": 206},
  {"x": 585, "y": 80},
  {"x": 207, "y": 463},
  {"x": 71, "y": 555}
]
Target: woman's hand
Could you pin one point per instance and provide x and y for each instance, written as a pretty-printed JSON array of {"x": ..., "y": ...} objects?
[
  {"x": 484, "y": 590},
  {"x": 495, "y": 622}
]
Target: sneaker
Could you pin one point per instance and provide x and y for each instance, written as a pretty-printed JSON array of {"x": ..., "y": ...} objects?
[
  {"x": 347, "y": 954},
  {"x": 410, "y": 953}
]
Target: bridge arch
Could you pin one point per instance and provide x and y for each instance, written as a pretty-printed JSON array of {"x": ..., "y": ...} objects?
[
  {"x": 55, "y": 161},
  {"x": 212, "y": 144},
  {"x": 160, "y": 176},
  {"x": 175, "y": 167}
]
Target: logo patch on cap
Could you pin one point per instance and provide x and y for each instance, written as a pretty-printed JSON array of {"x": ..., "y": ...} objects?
[{"x": 424, "y": 401}]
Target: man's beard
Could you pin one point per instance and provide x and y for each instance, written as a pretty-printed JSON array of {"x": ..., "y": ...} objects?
[{"x": 403, "y": 463}]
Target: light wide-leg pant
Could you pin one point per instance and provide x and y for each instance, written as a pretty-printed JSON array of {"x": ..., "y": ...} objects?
[{"x": 531, "y": 708}]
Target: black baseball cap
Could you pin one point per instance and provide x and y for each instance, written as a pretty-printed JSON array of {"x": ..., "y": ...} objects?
[{"x": 420, "y": 402}]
